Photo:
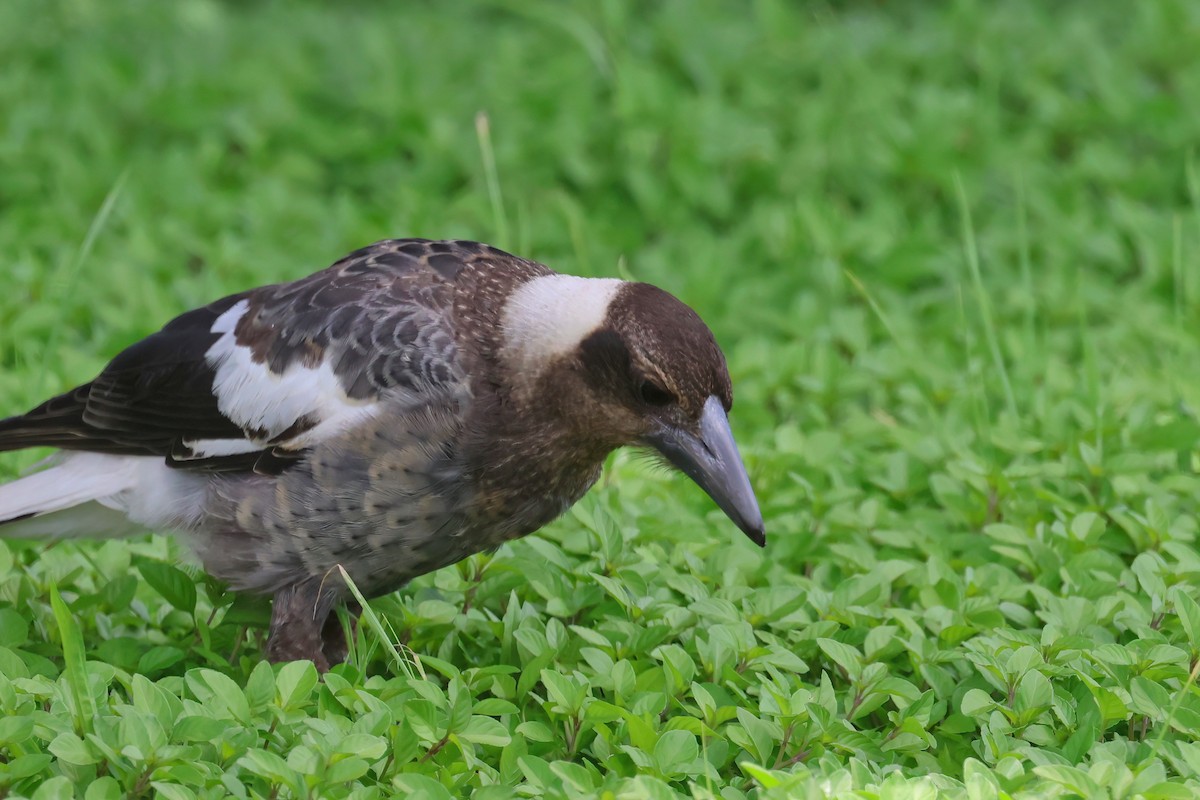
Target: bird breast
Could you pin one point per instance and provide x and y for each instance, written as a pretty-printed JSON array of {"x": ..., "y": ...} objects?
[{"x": 405, "y": 493}]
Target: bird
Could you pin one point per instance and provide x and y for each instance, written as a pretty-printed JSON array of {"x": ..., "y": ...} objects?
[{"x": 415, "y": 403}]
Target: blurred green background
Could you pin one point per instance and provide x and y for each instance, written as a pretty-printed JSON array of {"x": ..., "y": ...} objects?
[{"x": 950, "y": 250}]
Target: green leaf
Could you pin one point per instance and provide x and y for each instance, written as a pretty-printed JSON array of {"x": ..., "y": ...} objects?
[
  {"x": 485, "y": 730},
  {"x": 764, "y": 777},
  {"x": 363, "y": 745},
  {"x": 574, "y": 778},
  {"x": 1149, "y": 698},
  {"x": 1034, "y": 692},
  {"x": 422, "y": 786},
  {"x": 157, "y": 659},
  {"x": 74, "y": 667},
  {"x": 11, "y": 665},
  {"x": 199, "y": 729},
  {"x": 271, "y": 767},
  {"x": 535, "y": 732},
  {"x": 675, "y": 752},
  {"x": 58, "y": 788},
  {"x": 14, "y": 629},
  {"x": 248, "y": 609},
  {"x": 977, "y": 702},
  {"x": 219, "y": 693},
  {"x": 460, "y": 705},
  {"x": 1189, "y": 615},
  {"x": 1087, "y": 525},
  {"x": 877, "y": 639},
  {"x": 495, "y": 707},
  {"x": 1087, "y": 724},
  {"x": 175, "y": 586},
  {"x": 28, "y": 766},
  {"x": 1166, "y": 790},
  {"x": 294, "y": 683},
  {"x": 351, "y": 769},
  {"x": 1074, "y": 779},
  {"x": 843, "y": 655},
  {"x": 70, "y": 749},
  {"x": 405, "y": 744},
  {"x": 154, "y": 700},
  {"x": 567, "y": 693},
  {"x": 14, "y": 730},
  {"x": 1148, "y": 567},
  {"x": 761, "y": 736},
  {"x": 537, "y": 772},
  {"x": 119, "y": 592},
  {"x": 260, "y": 686},
  {"x": 172, "y": 791}
]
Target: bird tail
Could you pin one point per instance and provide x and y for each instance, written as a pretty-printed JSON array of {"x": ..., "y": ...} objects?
[
  {"x": 58, "y": 422},
  {"x": 71, "y": 497}
]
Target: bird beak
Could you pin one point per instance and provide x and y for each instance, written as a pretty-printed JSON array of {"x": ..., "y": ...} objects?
[{"x": 711, "y": 459}]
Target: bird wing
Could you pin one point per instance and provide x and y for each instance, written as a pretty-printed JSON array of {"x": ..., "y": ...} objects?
[{"x": 254, "y": 380}]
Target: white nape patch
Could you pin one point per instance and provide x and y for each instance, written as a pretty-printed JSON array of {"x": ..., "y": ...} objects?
[
  {"x": 255, "y": 398},
  {"x": 549, "y": 316},
  {"x": 142, "y": 489}
]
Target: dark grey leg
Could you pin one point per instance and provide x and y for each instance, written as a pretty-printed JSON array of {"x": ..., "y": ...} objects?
[
  {"x": 299, "y": 615},
  {"x": 333, "y": 638}
]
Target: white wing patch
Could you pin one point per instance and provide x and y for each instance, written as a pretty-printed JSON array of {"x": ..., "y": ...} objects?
[
  {"x": 550, "y": 315},
  {"x": 256, "y": 399},
  {"x": 212, "y": 448}
]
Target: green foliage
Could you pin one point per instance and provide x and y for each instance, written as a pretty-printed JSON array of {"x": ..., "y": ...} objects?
[{"x": 950, "y": 249}]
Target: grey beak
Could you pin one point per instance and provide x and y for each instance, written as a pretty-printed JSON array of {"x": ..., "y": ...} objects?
[{"x": 712, "y": 461}]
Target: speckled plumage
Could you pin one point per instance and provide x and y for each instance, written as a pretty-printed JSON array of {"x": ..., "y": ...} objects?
[{"x": 384, "y": 414}]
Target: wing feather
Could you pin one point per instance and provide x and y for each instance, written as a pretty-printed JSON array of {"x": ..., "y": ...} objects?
[{"x": 252, "y": 381}]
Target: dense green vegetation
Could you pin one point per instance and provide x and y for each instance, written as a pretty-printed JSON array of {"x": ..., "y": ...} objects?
[{"x": 951, "y": 250}]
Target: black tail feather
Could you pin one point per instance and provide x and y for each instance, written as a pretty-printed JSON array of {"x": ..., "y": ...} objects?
[{"x": 58, "y": 422}]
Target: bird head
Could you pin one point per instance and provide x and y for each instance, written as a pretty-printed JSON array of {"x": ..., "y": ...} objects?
[{"x": 629, "y": 364}]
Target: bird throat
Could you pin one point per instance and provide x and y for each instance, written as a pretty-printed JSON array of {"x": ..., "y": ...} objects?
[{"x": 529, "y": 473}]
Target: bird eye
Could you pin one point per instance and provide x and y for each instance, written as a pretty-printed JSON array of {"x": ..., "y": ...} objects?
[{"x": 654, "y": 395}]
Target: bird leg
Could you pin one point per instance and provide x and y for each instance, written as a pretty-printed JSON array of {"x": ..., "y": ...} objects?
[
  {"x": 299, "y": 617},
  {"x": 334, "y": 643}
]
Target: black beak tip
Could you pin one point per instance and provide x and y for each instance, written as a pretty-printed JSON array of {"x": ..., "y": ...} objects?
[{"x": 756, "y": 534}]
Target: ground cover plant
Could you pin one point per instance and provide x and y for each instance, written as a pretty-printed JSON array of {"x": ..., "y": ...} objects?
[{"x": 951, "y": 251}]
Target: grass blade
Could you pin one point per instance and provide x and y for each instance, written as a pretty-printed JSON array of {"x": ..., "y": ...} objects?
[
  {"x": 483, "y": 132},
  {"x": 406, "y": 665},
  {"x": 66, "y": 286},
  {"x": 971, "y": 250},
  {"x": 74, "y": 663}
]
